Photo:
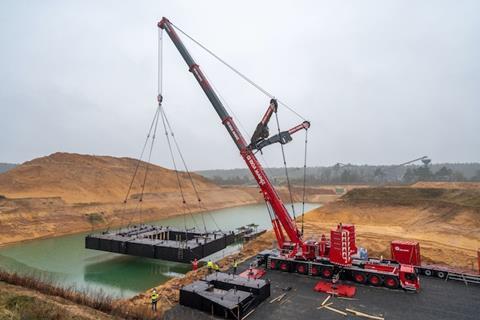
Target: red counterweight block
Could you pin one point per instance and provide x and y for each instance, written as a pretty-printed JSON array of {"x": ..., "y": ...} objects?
[
  {"x": 351, "y": 230},
  {"x": 340, "y": 251},
  {"x": 406, "y": 252}
]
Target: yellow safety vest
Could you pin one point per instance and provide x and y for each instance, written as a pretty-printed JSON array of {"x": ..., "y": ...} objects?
[
  {"x": 210, "y": 264},
  {"x": 235, "y": 264},
  {"x": 154, "y": 296}
]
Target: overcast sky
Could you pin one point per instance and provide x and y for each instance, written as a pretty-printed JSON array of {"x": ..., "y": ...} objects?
[{"x": 381, "y": 81}]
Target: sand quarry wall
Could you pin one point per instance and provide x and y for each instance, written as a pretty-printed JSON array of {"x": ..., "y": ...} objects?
[
  {"x": 68, "y": 193},
  {"x": 445, "y": 221}
]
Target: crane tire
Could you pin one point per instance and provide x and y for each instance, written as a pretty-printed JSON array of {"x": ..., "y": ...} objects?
[
  {"x": 273, "y": 265},
  {"x": 284, "y": 266},
  {"x": 302, "y": 268},
  {"x": 315, "y": 271},
  {"x": 327, "y": 272},
  {"x": 359, "y": 277},
  {"x": 375, "y": 280},
  {"x": 391, "y": 282}
]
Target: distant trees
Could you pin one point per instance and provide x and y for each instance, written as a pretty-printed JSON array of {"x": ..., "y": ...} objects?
[
  {"x": 355, "y": 174},
  {"x": 236, "y": 180},
  {"x": 424, "y": 173},
  {"x": 476, "y": 177}
]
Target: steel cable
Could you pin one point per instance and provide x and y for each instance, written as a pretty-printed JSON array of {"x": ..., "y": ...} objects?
[{"x": 244, "y": 77}]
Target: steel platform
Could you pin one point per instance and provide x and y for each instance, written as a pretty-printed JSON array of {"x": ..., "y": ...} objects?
[
  {"x": 164, "y": 242},
  {"x": 225, "y": 295}
]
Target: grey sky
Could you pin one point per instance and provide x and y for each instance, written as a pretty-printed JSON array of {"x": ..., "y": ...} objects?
[{"x": 381, "y": 81}]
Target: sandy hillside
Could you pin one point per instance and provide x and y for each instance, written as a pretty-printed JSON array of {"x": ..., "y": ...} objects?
[
  {"x": 447, "y": 185},
  {"x": 67, "y": 193},
  {"x": 86, "y": 178}
]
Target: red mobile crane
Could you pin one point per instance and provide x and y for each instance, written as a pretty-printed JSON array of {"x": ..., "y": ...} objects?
[{"x": 323, "y": 258}]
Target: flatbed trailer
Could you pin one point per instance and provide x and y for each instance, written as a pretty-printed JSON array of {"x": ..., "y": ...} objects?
[{"x": 448, "y": 273}]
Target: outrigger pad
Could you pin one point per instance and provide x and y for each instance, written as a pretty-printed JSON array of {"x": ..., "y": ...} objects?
[{"x": 341, "y": 290}]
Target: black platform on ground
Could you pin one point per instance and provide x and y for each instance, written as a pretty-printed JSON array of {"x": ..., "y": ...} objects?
[
  {"x": 164, "y": 242},
  {"x": 258, "y": 287},
  {"x": 226, "y": 296},
  {"x": 438, "y": 299}
]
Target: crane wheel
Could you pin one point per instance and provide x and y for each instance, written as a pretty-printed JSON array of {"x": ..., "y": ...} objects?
[
  {"x": 273, "y": 265},
  {"x": 428, "y": 273},
  {"x": 301, "y": 268},
  {"x": 375, "y": 280},
  {"x": 284, "y": 266},
  {"x": 391, "y": 282},
  {"x": 327, "y": 273},
  {"x": 315, "y": 271},
  {"x": 441, "y": 274},
  {"x": 359, "y": 277}
]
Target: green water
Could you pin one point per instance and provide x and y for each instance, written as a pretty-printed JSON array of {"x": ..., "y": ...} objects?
[{"x": 66, "y": 261}]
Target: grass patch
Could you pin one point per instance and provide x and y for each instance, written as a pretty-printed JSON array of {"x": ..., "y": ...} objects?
[
  {"x": 26, "y": 307},
  {"x": 98, "y": 300}
]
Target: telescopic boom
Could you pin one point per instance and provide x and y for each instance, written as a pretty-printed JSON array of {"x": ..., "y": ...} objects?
[{"x": 284, "y": 226}]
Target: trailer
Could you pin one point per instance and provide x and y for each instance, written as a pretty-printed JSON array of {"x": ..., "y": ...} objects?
[{"x": 409, "y": 252}]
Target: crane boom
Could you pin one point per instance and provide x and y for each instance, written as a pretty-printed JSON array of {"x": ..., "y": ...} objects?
[{"x": 281, "y": 220}]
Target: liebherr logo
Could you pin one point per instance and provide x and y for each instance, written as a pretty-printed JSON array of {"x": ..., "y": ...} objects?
[
  {"x": 258, "y": 175},
  {"x": 401, "y": 250}
]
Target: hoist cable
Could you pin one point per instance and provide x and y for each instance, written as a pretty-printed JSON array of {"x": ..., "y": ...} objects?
[
  {"x": 149, "y": 158},
  {"x": 286, "y": 170},
  {"x": 147, "y": 167},
  {"x": 226, "y": 104},
  {"x": 304, "y": 175},
  {"x": 186, "y": 208},
  {"x": 192, "y": 181},
  {"x": 177, "y": 174},
  {"x": 141, "y": 155},
  {"x": 244, "y": 77},
  {"x": 160, "y": 62}
]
